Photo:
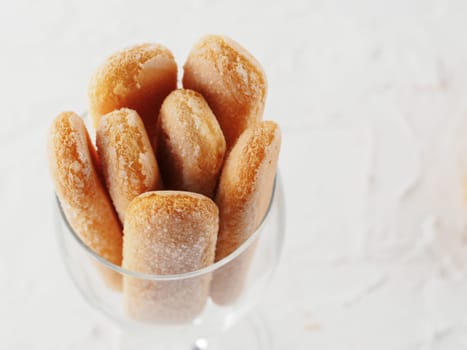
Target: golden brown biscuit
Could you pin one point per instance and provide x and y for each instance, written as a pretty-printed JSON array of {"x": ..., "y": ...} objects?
[
  {"x": 190, "y": 143},
  {"x": 128, "y": 162},
  {"x": 139, "y": 77},
  {"x": 243, "y": 198},
  {"x": 84, "y": 200},
  {"x": 168, "y": 232},
  {"x": 230, "y": 79}
]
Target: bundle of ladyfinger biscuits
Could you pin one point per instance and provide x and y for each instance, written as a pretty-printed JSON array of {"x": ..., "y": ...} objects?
[{"x": 180, "y": 177}]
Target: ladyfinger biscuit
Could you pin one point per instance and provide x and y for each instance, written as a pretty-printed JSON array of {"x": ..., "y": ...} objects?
[
  {"x": 139, "y": 77},
  {"x": 84, "y": 200},
  {"x": 243, "y": 198},
  {"x": 168, "y": 232},
  {"x": 230, "y": 79},
  {"x": 190, "y": 143},
  {"x": 127, "y": 158}
]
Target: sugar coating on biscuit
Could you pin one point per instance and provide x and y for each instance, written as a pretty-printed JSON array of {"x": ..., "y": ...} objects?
[
  {"x": 230, "y": 79},
  {"x": 128, "y": 161},
  {"x": 139, "y": 77},
  {"x": 190, "y": 143},
  {"x": 170, "y": 232},
  {"x": 246, "y": 185},
  {"x": 84, "y": 199},
  {"x": 243, "y": 198}
]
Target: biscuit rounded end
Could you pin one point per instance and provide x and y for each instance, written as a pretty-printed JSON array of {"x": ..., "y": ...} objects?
[
  {"x": 139, "y": 77},
  {"x": 190, "y": 143},
  {"x": 231, "y": 80}
]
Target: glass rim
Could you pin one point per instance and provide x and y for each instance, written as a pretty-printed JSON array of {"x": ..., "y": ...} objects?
[{"x": 192, "y": 274}]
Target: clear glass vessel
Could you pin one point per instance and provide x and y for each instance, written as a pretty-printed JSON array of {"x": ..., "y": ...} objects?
[{"x": 235, "y": 284}]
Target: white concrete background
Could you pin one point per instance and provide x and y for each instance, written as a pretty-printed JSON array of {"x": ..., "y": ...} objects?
[{"x": 372, "y": 99}]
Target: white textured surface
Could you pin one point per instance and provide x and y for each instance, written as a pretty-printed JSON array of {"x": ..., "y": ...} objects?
[{"x": 372, "y": 98}]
